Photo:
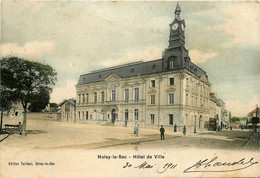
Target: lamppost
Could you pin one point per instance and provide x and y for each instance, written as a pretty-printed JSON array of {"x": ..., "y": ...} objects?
[
  {"x": 195, "y": 124},
  {"x": 196, "y": 119}
]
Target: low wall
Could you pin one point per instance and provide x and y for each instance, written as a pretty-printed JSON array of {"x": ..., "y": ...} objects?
[
  {"x": 38, "y": 116},
  {"x": 42, "y": 116}
]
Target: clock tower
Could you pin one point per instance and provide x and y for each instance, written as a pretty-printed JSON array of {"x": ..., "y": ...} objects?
[
  {"x": 176, "y": 54},
  {"x": 177, "y": 28}
]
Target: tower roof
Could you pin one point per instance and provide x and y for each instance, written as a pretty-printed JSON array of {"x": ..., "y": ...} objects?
[{"x": 178, "y": 8}]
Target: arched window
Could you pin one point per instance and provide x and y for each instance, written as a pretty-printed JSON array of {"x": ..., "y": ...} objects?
[
  {"x": 172, "y": 61},
  {"x": 136, "y": 114}
]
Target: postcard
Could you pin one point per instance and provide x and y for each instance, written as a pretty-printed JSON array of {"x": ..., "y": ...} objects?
[{"x": 129, "y": 89}]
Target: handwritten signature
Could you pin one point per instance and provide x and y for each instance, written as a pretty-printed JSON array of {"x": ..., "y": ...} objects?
[
  {"x": 213, "y": 165},
  {"x": 206, "y": 165}
]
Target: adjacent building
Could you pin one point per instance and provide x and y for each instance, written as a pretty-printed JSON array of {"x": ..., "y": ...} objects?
[{"x": 67, "y": 110}]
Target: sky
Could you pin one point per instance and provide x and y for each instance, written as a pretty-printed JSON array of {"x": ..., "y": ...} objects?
[{"x": 77, "y": 37}]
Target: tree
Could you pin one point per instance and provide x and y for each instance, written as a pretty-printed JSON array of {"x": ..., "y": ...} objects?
[
  {"x": 28, "y": 79},
  {"x": 6, "y": 103},
  {"x": 40, "y": 101},
  {"x": 7, "y": 95},
  {"x": 53, "y": 107}
]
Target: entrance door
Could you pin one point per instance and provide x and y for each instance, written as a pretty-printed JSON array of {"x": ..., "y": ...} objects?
[
  {"x": 113, "y": 116},
  {"x": 170, "y": 119},
  {"x": 200, "y": 122},
  {"x": 126, "y": 117}
]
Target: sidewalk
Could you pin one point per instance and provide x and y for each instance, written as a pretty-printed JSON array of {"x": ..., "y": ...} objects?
[{"x": 254, "y": 141}]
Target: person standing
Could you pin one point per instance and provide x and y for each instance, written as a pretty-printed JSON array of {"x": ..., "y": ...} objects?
[
  {"x": 175, "y": 128},
  {"x": 137, "y": 130},
  {"x": 184, "y": 130},
  {"x": 162, "y": 133}
]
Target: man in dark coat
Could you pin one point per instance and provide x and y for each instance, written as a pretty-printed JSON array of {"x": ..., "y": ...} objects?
[{"x": 162, "y": 132}]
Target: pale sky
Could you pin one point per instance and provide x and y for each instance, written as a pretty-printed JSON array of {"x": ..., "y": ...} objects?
[{"x": 76, "y": 37}]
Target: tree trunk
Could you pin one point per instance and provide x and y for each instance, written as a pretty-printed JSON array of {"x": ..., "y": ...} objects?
[
  {"x": 1, "y": 122},
  {"x": 24, "y": 122}
]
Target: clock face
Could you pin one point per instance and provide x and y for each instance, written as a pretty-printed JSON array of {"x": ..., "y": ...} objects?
[
  {"x": 175, "y": 26},
  {"x": 182, "y": 27}
]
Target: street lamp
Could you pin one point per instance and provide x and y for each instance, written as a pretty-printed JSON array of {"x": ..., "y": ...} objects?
[
  {"x": 196, "y": 119},
  {"x": 195, "y": 124}
]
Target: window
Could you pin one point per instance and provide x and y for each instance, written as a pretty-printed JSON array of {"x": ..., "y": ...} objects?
[
  {"x": 79, "y": 115},
  {"x": 171, "y": 63},
  {"x": 126, "y": 114},
  {"x": 187, "y": 82},
  {"x": 113, "y": 95},
  {"x": 170, "y": 119},
  {"x": 79, "y": 98},
  {"x": 152, "y": 83},
  {"x": 86, "y": 97},
  {"x": 136, "y": 114},
  {"x": 126, "y": 94},
  {"x": 86, "y": 115},
  {"x": 83, "y": 98},
  {"x": 102, "y": 96},
  {"x": 171, "y": 98},
  {"x": 152, "y": 118},
  {"x": 152, "y": 99},
  {"x": 83, "y": 115},
  {"x": 136, "y": 94},
  {"x": 171, "y": 80},
  {"x": 187, "y": 99},
  {"x": 95, "y": 97},
  {"x": 192, "y": 100}
]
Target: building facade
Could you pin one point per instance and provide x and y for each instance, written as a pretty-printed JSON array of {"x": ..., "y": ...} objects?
[
  {"x": 67, "y": 111},
  {"x": 167, "y": 91}
]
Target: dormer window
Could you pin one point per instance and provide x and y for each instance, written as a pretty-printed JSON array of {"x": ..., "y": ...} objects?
[{"x": 171, "y": 63}]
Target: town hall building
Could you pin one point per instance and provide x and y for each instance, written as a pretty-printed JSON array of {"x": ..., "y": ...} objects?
[{"x": 167, "y": 91}]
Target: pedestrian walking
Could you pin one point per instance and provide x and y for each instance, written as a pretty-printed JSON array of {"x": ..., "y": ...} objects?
[
  {"x": 162, "y": 130},
  {"x": 184, "y": 130},
  {"x": 137, "y": 130},
  {"x": 175, "y": 128}
]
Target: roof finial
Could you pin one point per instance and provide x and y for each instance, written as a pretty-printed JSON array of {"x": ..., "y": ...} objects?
[
  {"x": 177, "y": 12},
  {"x": 178, "y": 8}
]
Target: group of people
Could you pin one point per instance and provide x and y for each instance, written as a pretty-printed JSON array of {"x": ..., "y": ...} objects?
[{"x": 162, "y": 130}]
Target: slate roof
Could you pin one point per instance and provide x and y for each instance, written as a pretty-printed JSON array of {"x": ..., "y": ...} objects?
[
  {"x": 71, "y": 101},
  {"x": 132, "y": 70},
  {"x": 137, "y": 69}
]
